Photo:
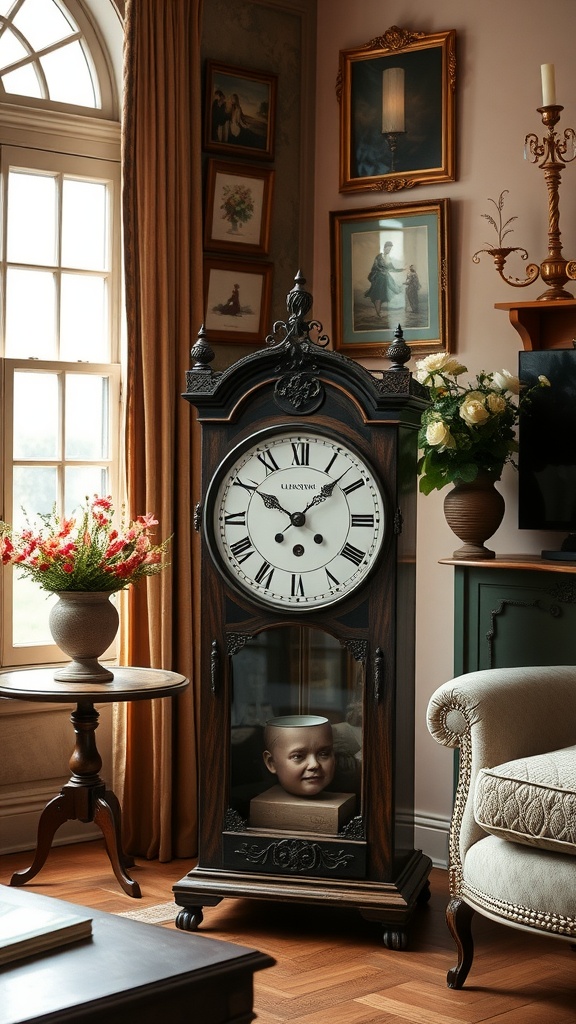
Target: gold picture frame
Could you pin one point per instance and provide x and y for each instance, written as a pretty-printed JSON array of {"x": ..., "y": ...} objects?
[
  {"x": 238, "y": 208},
  {"x": 237, "y": 297},
  {"x": 390, "y": 266},
  {"x": 397, "y": 111}
]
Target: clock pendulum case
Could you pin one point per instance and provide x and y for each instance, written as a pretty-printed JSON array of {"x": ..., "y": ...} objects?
[{"x": 308, "y": 517}]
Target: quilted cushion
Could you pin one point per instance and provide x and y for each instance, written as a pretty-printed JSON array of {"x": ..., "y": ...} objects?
[{"x": 531, "y": 800}]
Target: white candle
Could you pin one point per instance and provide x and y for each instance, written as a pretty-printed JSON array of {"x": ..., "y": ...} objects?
[
  {"x": 548, "y": 85},
  {"x": 393, "y": 100}
]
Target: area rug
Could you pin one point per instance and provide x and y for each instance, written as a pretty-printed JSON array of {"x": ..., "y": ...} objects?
[{"x": 160, "y": 913}]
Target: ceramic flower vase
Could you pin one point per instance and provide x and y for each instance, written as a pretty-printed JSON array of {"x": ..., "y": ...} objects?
[
  {"x": 83, "y": 625},
  {"x": 474, "y": 512}
]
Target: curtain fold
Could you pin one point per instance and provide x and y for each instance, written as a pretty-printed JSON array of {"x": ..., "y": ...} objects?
[{"x": 155, "y": 744}]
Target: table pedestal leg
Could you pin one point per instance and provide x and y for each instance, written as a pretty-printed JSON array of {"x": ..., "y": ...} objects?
[{"x": 83, "y": 798}]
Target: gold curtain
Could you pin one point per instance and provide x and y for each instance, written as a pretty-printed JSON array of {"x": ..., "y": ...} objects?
[{"x": 155, "y": 744}]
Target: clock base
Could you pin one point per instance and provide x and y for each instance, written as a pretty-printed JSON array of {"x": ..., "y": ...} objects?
[{"x": 391, "y": 904}]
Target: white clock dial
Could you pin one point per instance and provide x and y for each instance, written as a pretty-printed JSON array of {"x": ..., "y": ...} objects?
[{"x": 296, "y": 519}]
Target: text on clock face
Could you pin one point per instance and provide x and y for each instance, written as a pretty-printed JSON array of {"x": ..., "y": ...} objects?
[{"x": 299, "y": 521}]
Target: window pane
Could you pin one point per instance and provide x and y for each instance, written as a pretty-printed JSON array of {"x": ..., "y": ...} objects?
[
  {"x": 86, "y": 430},
  {"x": 30, "y": 314},
  {"x": 31, "y": 608},
  {"x": 35, "y": 491},
  {"x": 11, "y": 49},
  {"x": 83, "y": 319},
  {"x": 68, "y": 76},
  {"x": 42, "y": 22},
  {"x": 31, "y": 218},
  {"x": 84, "y": 225},
  {"x": 24, "y": 81},
  {"x": 83, "y": 482},
  {"x": 36, "y": 433}
]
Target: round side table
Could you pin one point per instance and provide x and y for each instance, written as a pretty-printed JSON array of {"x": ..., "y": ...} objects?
[{"x": 85, "y": 796}]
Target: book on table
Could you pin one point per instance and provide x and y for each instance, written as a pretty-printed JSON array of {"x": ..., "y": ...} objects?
[{"x": 24, "y": 933}]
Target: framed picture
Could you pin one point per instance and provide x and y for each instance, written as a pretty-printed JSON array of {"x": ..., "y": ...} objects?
[
  {"x": 237, "y": 300},
  {"x": 390, "y": 267},
  {"x": 396, "y": 98},
  {"x": 240, "y": 111},
  {"x": 238, "y": 208}
]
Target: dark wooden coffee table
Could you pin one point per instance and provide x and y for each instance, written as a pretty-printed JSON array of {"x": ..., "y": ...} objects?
[{"x": 128, "y": 973}]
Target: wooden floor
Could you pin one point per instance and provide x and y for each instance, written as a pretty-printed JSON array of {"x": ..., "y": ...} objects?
[{"x": 331, "y": 965}]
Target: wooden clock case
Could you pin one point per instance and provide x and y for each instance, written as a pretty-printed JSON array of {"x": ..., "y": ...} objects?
[{"x": 371, "y": 864}]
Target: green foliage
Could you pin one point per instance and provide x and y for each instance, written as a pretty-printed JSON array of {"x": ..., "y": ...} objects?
[{"x": 467, "y": 428}]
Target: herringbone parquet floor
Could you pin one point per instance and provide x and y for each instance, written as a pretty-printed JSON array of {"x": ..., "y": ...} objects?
[{"x": 331, "y": 966}]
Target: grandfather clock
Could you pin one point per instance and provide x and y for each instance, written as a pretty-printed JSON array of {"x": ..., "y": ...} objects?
[{"x": 308, "y": 520}]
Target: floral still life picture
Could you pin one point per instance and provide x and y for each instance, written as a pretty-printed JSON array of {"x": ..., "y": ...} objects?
[
  {"x": 238, "y": 207},
  {"x": 84, "y": 552},
  {"x": 468, "y": 428},
  {"x": 237, "y": 300}
]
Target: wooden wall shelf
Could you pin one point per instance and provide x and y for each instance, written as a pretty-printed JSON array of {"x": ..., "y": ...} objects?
[
  {"x": 543, "y": 325},
  {"x": 530, "y": 562}
]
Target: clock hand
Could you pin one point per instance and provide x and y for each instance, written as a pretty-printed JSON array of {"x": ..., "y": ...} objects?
[
  {"x": 325, "y": 492},
  {"x": 271, "y": 501}
]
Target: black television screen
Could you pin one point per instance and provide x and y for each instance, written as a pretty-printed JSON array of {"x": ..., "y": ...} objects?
[{"x": 547, "y": 447}]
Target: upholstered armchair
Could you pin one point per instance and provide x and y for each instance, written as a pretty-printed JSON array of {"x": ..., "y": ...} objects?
[{"x": 513, "y": 829}]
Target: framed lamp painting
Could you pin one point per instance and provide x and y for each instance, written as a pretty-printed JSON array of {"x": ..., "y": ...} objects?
[
  {"x": 240, "y": 111},
  {"x": 390, "y": 267},
  {"x": 238, "y": 208},
  {"x": 397, "y": 111},
  {"x": 237, "y": 299}
]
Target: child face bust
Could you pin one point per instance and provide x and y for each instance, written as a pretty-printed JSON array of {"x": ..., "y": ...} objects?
[{"x": 300, "y": 752}]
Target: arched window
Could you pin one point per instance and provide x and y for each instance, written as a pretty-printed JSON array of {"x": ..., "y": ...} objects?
[{"x": 60, "y": 276}]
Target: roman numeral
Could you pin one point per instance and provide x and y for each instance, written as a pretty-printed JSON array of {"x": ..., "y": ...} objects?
[
  {"x": 354, "y": 554},
  {"x": 235, "y": 519},
  {"x": 268, "y": 461},
  {"x": 354, "y": 487},
  {"x": 301, "y": 451},
  {"x": 265, "y": 574},
  {"x": 297, "y": 586},
  {"x": 242, "y": 549},
  {"x": 331, "y": 463},
  {"x": 247, "y": 487},
  {"x": 357, "y": 520},
  {"x": 332, "y": 578}
]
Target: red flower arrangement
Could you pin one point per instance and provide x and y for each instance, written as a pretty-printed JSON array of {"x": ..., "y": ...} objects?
[{"x": 85, "y": 552}]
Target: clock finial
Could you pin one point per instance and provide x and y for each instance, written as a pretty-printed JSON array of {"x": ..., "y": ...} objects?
[
  {"x": 298, "y": 300},
  {"x": 398, "y": 351},
  {"x": 201, "y": 352}
]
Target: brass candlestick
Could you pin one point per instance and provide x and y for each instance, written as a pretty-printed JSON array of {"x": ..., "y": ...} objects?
[{"x": 554, "y": 270}]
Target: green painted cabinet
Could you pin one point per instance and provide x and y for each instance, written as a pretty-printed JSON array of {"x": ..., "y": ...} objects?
[{"x": 513, "y": 610}]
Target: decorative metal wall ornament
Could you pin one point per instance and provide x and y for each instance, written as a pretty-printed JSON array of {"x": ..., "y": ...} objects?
[{"x": 551, "y": 156}]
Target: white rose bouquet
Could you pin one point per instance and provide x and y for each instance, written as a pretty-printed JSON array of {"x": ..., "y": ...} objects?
[{"x": 467, "y": 428}]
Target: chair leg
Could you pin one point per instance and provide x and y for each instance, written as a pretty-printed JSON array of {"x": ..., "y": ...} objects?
[{"x": 459, "y": 920}]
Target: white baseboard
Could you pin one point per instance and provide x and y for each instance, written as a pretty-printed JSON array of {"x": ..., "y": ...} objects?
[
  {"x": 20, "y": 810},
  {"x": 431, "y": 836}
]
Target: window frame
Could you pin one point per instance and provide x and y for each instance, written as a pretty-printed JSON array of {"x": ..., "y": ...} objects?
[{"x": 78, "y": 145}]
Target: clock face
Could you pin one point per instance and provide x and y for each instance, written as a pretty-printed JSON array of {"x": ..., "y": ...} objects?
[{"x": 295, "y": 518}]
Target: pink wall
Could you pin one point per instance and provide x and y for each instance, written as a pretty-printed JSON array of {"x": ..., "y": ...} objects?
[{"x": 500, "y": 47}]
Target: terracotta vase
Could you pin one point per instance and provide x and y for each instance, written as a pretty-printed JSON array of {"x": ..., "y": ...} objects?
[
  {"x": 474, "y": 512},
  {"x": 83, "y": 625}
]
